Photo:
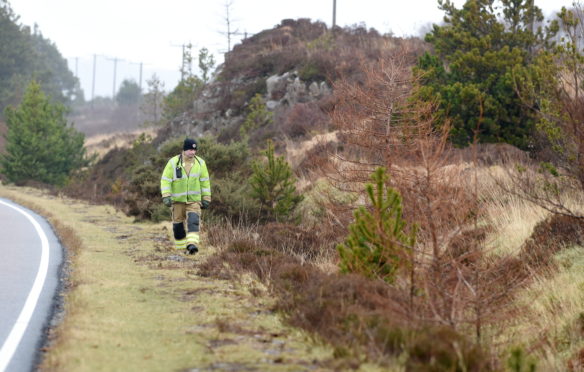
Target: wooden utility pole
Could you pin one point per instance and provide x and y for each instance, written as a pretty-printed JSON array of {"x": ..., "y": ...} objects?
[
  {"x": 334, "y": 14},
  {"x": 76, "y": 66},
  {"x": 141, "y": 65},
  {"x": 140, "y": 75},
  {"x": 186, "y": 56},
  {"x": 115, "y": 71},
  {"x": 93, "y": 82}
]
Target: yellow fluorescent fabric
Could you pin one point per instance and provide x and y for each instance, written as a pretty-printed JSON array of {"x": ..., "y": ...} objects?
[
  {"x": 191, "y": 186},
  {"x": 193, "y": 238},
  {"x": 180, "y": 244}
]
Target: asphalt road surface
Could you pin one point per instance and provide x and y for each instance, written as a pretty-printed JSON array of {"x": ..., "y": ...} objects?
[{"x": 30, "y": 257}]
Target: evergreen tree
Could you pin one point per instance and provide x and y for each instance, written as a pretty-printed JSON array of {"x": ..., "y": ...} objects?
[
  {"x": 470, "y": 73},
  {"x": 129, "y": 93},
  {"x": 273, "y": 186},
  {"x": 257, "y": 117},
  {"x": 40, "y": 146},
  {"x": 183, "y": 96},
  {"x": 206, "y": 64},
  {"x": 378, "y": 243},
  {"x": 26, "y": 55}
]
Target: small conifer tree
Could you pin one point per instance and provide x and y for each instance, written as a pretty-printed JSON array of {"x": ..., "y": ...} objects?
[
  {"x": 257, "y": 117},
  {"x": 273, "y": 185},
  {"x": 40, "y": 145},
  {"x": 378, "y": 242}
]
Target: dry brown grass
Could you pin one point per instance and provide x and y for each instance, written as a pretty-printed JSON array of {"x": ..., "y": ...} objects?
[
  {"x": 167, "y": 308},
  {"x": 101, "y": 144}
]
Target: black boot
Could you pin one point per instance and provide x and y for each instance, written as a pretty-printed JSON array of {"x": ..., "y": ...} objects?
[{"x": 192, "y": 249}]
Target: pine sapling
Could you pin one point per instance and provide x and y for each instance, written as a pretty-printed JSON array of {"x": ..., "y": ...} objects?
[
  {"x": 273, "y": 185},
  {"x": 379, "y": 242}
]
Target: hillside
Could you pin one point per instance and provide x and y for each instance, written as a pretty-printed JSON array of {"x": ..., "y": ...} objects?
[
  {"x": 293, "y": 67},
  {"x": 392, "y": 248},
  {"x": 313, "y": 89}
]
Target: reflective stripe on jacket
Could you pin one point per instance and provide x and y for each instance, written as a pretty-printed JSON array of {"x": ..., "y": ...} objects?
[{"x": 190, "y": 187}]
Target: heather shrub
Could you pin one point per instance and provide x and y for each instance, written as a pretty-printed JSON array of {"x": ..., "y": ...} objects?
[
  {"x": 224, "y": 159},
  {"x": 306, "y": 243},
  {"x": 303, "y": 118},
  {"x": 549, "y": 237},
  {"x": 231, "y": 200},
  {"x": 442, "y": 349}
]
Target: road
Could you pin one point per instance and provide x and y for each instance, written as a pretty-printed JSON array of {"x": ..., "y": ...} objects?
[{"x": 30, "y": 257}]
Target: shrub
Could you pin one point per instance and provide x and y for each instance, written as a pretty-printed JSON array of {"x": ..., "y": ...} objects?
[
  {"x": 224, "y": 159},
  {"x": 549, "y": 237},
  {"x": 444, "y": 350},
  {"x": 308, "y": 244},
  {"x": 302, "y": 118}
]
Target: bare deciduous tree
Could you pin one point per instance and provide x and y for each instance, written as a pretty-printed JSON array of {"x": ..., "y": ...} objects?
[{"x": 380, "y": 123}]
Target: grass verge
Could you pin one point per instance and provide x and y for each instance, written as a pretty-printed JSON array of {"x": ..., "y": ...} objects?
[{"x": 135, "y": 304}]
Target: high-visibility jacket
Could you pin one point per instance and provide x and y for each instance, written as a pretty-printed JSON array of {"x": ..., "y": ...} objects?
[{"x": 187, "y": 188}]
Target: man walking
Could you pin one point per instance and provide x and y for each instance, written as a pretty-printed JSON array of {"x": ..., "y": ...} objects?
[{"x": 186, "y": 188}]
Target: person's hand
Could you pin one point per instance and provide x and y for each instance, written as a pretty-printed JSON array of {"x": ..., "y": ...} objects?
[
  {"x": 205, "y": 204},
  {"x": 167, "y": 201}
]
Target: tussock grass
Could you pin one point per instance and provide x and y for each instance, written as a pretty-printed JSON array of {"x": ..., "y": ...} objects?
[
  {"x": 510, "y": 217},
  {"x": 136, "y": 304},
  {"x": 551, "y": 312}
]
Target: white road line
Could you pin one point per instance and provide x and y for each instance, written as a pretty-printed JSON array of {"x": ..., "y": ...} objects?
[{"x": 11, "y": 343}]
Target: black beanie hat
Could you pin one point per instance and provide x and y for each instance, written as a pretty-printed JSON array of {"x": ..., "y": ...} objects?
[{"x": 189, "y": 144}]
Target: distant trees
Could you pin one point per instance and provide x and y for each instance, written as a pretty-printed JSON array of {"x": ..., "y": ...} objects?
[
  {"x": 206, "y": 64},
  {"x": 25, "y": 55},
  {"x": 152, "y": 101},
  {"x": 181, "y": 99},
  {"x": 470, "y": 73},
  {"x": 40, "y": 146},
  {"x": 129, "y": 93}
]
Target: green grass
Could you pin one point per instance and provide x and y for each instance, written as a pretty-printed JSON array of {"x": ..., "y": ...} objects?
[{"x": 132, "y": 307}]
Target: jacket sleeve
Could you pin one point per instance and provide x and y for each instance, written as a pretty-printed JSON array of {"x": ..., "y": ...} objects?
[
  {"x": 205, "y": 182},
  {"x": 166, "y": 179}
]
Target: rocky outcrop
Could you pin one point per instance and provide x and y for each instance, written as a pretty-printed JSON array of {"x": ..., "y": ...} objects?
[
  {"x": 288, "y": 89},
  {"x": 283, "y": 91}
]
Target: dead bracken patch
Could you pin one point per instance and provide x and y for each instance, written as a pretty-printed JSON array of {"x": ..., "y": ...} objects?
[{"x": 549, "y": 237}]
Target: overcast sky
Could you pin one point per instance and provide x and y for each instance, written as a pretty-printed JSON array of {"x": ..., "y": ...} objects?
[{"x": 152, "y": 31}]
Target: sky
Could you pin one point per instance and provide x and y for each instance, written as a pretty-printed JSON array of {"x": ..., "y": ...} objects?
[{"x": 130, "y": 34}]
